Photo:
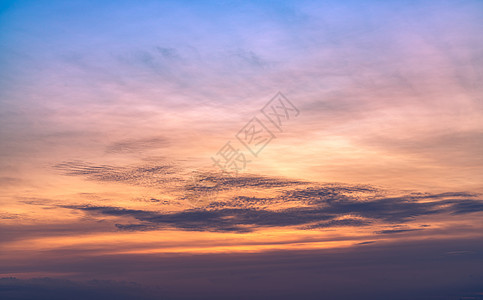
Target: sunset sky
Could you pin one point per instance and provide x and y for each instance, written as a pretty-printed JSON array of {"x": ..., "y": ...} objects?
[{"x": 366, "y": 181}]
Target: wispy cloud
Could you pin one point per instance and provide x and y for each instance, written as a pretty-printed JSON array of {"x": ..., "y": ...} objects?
[
  {"x": 137, "y": 145},
  {"x": 138, "y": 175},
  {"x": 325, "y": 207}
]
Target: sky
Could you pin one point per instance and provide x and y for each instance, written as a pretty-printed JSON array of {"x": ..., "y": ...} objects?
[{"x": 241, "y": 149}]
